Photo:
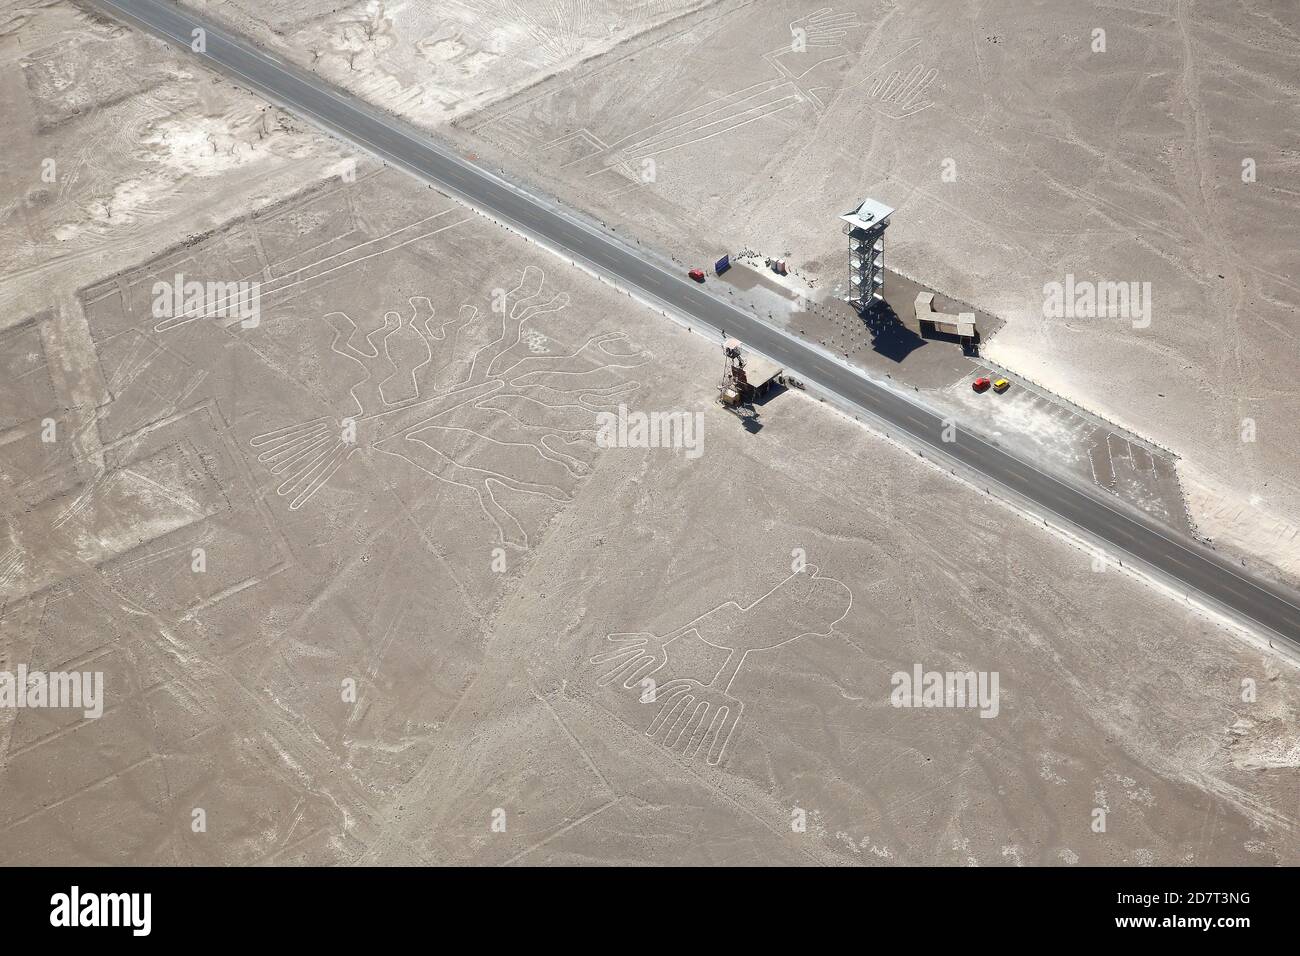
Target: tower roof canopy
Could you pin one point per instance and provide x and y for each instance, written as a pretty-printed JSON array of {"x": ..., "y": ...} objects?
[{"x": 869, "y": 215}]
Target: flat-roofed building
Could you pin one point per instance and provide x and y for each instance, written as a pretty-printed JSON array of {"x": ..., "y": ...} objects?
[{"x": 961, "y": 324}]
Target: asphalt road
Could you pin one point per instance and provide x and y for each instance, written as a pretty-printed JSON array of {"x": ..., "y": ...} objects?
[{"x": 1197, "y": 568}]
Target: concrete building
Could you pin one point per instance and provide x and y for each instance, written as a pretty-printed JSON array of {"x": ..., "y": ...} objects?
[{"x": 960, "y": 324}]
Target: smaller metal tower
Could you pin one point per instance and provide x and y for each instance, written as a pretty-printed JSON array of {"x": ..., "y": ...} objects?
[
  {"x": 734, "y": 389},
  {"x": 865, "y": 227}
]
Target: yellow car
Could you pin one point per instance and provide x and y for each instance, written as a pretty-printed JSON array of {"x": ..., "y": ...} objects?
[{"x": 1001, "y": 385}]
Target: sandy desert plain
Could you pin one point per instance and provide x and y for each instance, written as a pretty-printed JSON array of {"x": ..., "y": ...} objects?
[{"x": 415, "y": 646}]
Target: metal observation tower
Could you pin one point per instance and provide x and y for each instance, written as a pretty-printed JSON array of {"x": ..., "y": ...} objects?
[{"x": 865, "y": 227}]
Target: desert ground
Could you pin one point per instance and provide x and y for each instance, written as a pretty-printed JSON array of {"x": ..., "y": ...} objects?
[
  {"x": 1015, "y": 156},
  {"x": 367, "y": 585},
  {"x": 1019, "y": 148}
]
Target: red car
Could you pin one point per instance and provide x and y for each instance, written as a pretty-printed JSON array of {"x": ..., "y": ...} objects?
[
  {"x": 696, "y": 274},
  {"x": 980, "y": 384}
]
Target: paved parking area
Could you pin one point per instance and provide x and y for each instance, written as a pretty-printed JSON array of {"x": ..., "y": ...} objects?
[{"x": 1033, "y": 422}]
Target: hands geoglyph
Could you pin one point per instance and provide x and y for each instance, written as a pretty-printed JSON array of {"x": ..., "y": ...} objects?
[{"x": 694, "y": 717}]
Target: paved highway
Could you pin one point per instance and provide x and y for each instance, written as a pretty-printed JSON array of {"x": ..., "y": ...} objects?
[{"x": 1197, "y": 568}]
